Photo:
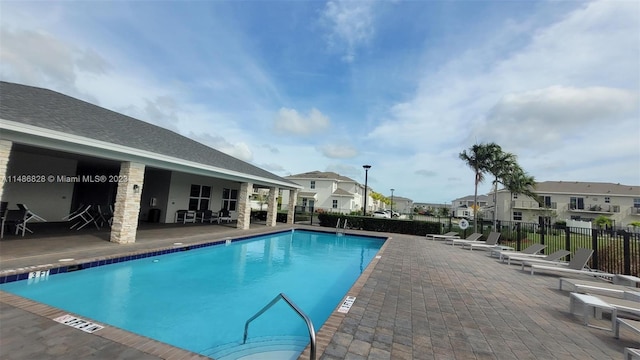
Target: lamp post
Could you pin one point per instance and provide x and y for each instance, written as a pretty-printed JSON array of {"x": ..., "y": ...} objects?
[
  {"x": 392, "y": 190},
  {"x": 366, "y": 174}
]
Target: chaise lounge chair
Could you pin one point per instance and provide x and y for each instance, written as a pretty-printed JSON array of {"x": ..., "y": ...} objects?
[
  {"x": 554, "y": 256},
  {"x": 450, "y": 234},
  {"x": 491, "y": 243},
  {"x": 471, "y": 238},
  {"x": 530, "y": 250},
  {"x": 577, "y": 265},
  {"x": 596, "y": 287}
]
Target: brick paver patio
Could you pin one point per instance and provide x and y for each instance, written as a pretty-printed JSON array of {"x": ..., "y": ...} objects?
[{"x": 420, "y": 300}]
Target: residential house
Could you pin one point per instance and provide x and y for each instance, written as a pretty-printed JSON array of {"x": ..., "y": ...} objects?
[
  {"x": 463, "y": 207},
  {"x": 58, "y": 154},
  {"x": 402, "y": 205},
  {"x": 330, "y": 192},
  {"x": 571, "y": 200}
]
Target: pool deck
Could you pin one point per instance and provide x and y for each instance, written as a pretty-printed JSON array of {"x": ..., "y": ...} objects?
[{"x": 420, "y": 300}]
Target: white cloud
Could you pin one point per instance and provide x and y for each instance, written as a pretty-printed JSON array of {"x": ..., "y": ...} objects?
[
  {"x": 555, "y": 114},
  {"x": 351, "y": 25},
  {"x": 562, "y": 98},
  {"x": 237, "y": 150},
  {"x": 290, "y": 121},
  {"x": 338, "y": 151}
]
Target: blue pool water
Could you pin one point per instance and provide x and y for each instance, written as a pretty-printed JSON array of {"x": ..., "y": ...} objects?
[{"x": 200, "y": 299}]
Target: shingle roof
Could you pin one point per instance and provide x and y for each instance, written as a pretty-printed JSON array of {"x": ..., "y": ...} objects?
[
  {"x": 321, "y": 175},
  {"x": 341, "y": 192},
  {"x": 55, "y": 111},
  {"x": 577, "y": 187}
]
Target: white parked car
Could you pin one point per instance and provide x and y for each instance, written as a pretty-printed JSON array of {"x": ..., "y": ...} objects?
[
  {"x": 394, "y": 214},
  {"x": 381, "y": 214}
]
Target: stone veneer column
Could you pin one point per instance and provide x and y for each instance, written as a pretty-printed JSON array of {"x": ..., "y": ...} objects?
[
  {"x": 293, "y": 200},
  {"x": 272, "y": 206},
  {"x": 127, "y": 207},
  {"x": 244, "y": 206},
  {"x": 5, "y": 153}
]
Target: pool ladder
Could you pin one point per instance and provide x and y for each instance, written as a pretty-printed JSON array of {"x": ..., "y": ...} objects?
[
  {"x": 343, "y": 229},
  {"x": 312, "y": 332}
]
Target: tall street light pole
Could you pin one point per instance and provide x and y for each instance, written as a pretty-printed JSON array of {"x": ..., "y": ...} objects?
[
  {"x": 366, "y": 174},
  {"x": 392, "y": 190}
]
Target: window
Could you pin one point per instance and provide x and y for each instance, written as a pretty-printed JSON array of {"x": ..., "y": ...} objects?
[
  {"x": 607, "y": 200},
  {"x": 515, "y": 196},
  {"x": 517, "y": 215},
  {"x": 229, "y": 199},
  {"x": 545, "y": 201},
  {"x": 636, "y": 203},
  {"x": 313, "y": 184},
  {"x": 199, "y": 197},
  {"x": 576, "y": 203},
  {"x": 304, "y": 202},
  {"x": 335, "y": 204}
]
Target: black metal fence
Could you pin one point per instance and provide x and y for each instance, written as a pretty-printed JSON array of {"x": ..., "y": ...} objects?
[{"x": 614, "y": 251}]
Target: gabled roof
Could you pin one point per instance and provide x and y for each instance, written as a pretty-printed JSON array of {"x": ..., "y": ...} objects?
[
  {"x": 577, "y": 188},
  {"x": 323, "y": 175},
  {"x": 470, "y": 198},
  {"x": 341, "y": 192},
  {"x": 51, "y": 110}
]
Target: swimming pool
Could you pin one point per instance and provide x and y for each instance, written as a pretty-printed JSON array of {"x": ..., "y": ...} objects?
[{"x": 200, "y": 299}]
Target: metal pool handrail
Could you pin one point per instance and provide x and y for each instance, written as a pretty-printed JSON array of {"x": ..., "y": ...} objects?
[{"x": 312, "y": 332}]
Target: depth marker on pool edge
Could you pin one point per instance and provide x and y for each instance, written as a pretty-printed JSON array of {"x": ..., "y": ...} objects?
[
  {"x": 346, "y": 304},
  {"x": 78, "y": 323}
]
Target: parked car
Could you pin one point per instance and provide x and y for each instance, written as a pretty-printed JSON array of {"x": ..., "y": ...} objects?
[
  {"x": 381, "y": 214},
  {"x": 394, "y": 214}
]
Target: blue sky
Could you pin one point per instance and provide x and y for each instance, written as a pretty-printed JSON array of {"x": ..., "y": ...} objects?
[{"x": 405, "y": 86}]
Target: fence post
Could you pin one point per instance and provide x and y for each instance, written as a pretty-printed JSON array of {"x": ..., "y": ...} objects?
[
  {"x": 518, "y": 236},
  {"x": 627, "y": 252},
  {"x": 594, "y": 246},
  {"x": 542, "y": 230},
  {"x": 567, "y": 241}
]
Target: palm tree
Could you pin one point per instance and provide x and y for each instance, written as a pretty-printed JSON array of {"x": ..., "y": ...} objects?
[
  {"x": 519, "y": 182},
  {"x": 501, "y": 165},
  {"x": 477, "y": 158}
]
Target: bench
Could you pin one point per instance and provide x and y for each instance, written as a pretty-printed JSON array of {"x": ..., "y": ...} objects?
[{"x": 590, "y": 304}]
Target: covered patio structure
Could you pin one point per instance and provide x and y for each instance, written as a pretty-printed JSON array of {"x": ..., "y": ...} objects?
[{"x": 61, "y": 156}]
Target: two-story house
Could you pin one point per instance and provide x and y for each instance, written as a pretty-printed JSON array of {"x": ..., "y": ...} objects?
[
  {"x": 331, "y": 192},
  {"x": 463, "y": 207},
  {"x": 571, "y": 200}
]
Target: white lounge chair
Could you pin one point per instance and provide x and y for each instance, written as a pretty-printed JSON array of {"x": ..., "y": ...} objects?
[
  {"x": 554, "y": 256},
  {"x": 577, "y": 265},
  {"x": 450, "y": 234},
  {"x": 596, "y": 287},
  {"x": 530, "y": 250},
  {"x": 491, "y": 243},
  {"x": 470, "y": 238}
]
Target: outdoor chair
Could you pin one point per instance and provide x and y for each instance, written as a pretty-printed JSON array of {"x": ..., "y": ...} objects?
[
  {"x": 530, "y": 250},
  {"x": 83, "y": 218},
  {"x": 470, "y": 238},
  {"x": 104, "y": 216},
  {"x": 577, "y": 265},
  {"x": 15, "y": 218},
  {"x": 185, "y": 216},
  {"x": 209, "y": 216},
  {"x": 449, "y": 235},
  {"x": 224, "y": 214},
  {"x": 491, "y": 243},
  {"x": 554, "y": 256},
  {"x": 30, "y": 216},
  {"x": 599, "y": 287}
]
